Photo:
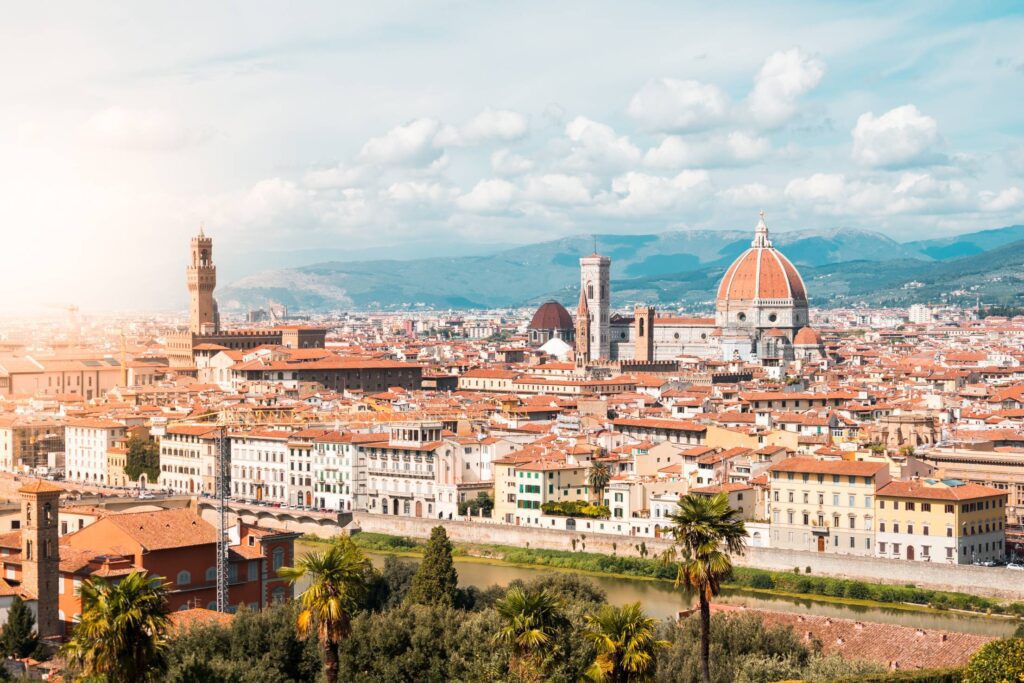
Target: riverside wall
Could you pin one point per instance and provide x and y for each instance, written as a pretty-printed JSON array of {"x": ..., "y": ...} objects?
[{"x": 994, "y": 582}]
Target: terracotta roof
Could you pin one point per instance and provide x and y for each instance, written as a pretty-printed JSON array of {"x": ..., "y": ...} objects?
[
  {"x": 551, "y": 316},
  {"x": 893, "y": 646},
  {"x": 860, "y": 468},
  {"x": 40, "y": 486},
  {"x": 938, "y": 490}
]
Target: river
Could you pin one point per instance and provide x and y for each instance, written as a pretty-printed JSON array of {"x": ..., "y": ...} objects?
[{"x": 661, "y": 599}]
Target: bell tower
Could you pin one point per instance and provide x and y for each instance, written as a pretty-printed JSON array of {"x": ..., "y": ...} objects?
[
  {"x": 643, "y": 333},
  {"x": 582, "y": 355},
  {"x": 202, "y": 279},
  {"x": 40, "y": 553}
]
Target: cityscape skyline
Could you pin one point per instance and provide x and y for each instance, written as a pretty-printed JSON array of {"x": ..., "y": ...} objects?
[{"x": 424, "y": 132}]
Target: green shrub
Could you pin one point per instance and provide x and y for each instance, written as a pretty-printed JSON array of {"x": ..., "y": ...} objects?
[
  {"x": 858, "y": 590},
  {"x": 997, "y": 661},
  {"x": 918, "y": 676},
  {"x": 762, "y": 581}
]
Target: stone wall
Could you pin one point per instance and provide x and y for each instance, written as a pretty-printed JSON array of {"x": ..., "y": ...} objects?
[{"x": 989, "y": 581}]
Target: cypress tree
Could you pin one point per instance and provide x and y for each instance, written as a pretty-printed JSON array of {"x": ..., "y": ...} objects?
[
  {"x": 18, "y": 637},
  {"x": 436, "y": 581}
]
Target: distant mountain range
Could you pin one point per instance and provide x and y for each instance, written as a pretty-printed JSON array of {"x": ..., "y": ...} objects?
[{"x": 840, "y": 266}]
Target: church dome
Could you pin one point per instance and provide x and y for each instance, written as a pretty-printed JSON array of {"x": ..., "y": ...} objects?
[
  {"x": 551, "y": 316},
  {"x": 807, "y": 336},
  {"x": 762, "y": 273}
]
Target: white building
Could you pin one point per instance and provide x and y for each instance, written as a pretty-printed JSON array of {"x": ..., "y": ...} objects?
[
  {"x": 188, "y": 459},
  {"x": 86, "y": 444},
  {"x": 259, "y": 466}
]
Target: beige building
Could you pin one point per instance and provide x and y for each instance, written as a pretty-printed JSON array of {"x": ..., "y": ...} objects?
[
  {"x": 931, "y": 520},
  {"x": 825, "y": 505},
  {"x": 86, "y": 376},
  {"x": 188, "y": 459}
]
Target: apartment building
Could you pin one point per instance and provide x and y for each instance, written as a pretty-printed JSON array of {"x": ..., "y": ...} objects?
[
  {"x": 933, "y": 520},
  {"x": 259, "y": 465},
  {"x": 401, "y": 470},
  {"x": 188, "y": 459},
  {"x": 87, "y": 443},
  {"x": 825, "y": 505}
]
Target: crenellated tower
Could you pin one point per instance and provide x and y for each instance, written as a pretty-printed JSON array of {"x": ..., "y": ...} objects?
[
  {"x": 202, "y": 279},
  {"x": 582, "y": 355}
]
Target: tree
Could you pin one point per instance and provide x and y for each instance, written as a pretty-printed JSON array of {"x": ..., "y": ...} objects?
[
  {"x": 998, "y": 660},
  {"x": 338, "y": 578},
  {"x": 530, "y": 620},
  {"x": 598, "y": 478},
  {"x": 482, "y": 505},
  {"x": 626, "y": 644},
  {"x": 122, "y": 635},
  {"x": 436, "y": 581},
  {"x": 700, "y": 526},
  {"x": 18, "y": 637},
  {"x": 907, "y": 451},
  {"x": 877, "y": 449},
  {"x": 143, "y": 458}
]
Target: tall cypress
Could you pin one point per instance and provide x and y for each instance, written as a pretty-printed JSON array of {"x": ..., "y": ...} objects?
[
  {"x": 18, "y": 637},
  {"x": 436, "y": 581}
]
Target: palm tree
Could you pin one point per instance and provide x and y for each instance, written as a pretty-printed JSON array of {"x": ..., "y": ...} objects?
[
  {"x": 338, "y": 580},
  {"x": 626, "y": 644},
  {"x": 598, "y": 478},
  {"x": 121, "y": 637},
  {"x": 701, "y": 526},
  {"x": 531, "y": 618}
]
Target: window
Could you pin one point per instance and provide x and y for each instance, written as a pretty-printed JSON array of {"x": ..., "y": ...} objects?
[
  {"x": 211, "y": 574},
  {"x": 278, "y": 558},
  {"x": 910, "y": 528},
  {"x": 910, "y": 505},
  {"x": 926, "y": 507},
  {"x": 925, "y": 530},
  {"x": 184, "y": 578},
  {"x": 881, "y": 547},
  {"x": 949, "y": 509}
]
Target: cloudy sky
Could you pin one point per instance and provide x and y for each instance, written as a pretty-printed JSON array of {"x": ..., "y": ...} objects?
[{"x": 442, "y": 127}]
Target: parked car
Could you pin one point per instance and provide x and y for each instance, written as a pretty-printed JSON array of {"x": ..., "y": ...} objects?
[{"x": 1015, "y": 565}]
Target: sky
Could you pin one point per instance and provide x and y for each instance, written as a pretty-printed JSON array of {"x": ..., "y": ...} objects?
[{"x": 296, "y": 132}]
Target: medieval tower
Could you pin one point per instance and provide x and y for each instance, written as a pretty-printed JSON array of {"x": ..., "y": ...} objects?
[
  {"x": 596, "y": 286},
  {"x": 40, "y": 554},
  {"x": 202, "y": 279}
]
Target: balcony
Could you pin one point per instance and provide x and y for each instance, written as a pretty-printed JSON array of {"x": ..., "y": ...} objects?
[{"x": 820, "y": 529}]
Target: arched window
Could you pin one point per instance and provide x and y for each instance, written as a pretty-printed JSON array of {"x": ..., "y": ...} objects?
[
  {"x": 184, "y": 578},
  {"x": 277, "y": 595},
  {"x": 211, "y": 573},
  {"x": 590, "y": 290},
  {"x": 47, "y": 514},
  {"x": 278, "y": 558},
  {"x": 641, "y": 327},
  {"x": 28, "y": 512}
]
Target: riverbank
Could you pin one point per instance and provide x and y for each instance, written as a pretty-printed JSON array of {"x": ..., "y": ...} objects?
[{"x": 795, "y": 585}]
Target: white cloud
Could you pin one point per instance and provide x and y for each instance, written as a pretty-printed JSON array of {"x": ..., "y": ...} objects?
[
  {"x": 337, "y": 176},
  {"x": 1005, "y": 200},
  {"x": 751, "y": 194},
  {"x": 412, "y": 191},
  {"x": 783, "y": 79},
  {"x": 642, "y": 193},
  {"x": 148, "y": 129},
  {"x": 736, "y": 148},
  {"x": 596, "y": 146},
  {"x": 667, "y": 104},
  {"x": 505, "y": 162},
  {"x": 491, "y": 124},
  {"x": 900, "y": 137},
  {"x": 488, "y": 196},
  {"x": 410, "y": 143},
  {"x": 911, "y": 193},
  {"x": 1015, "y": 159},
  {"x": 557, "y": 188}
]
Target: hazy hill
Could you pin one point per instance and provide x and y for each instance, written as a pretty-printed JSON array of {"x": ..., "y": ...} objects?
[{"x": 840, "y": 266}]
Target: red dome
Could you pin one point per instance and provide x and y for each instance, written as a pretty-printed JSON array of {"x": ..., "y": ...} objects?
[
  {"x": 807, "y": 336},
  {"x": 551, "y": 316},
  {"x": 762, "y": 272}
]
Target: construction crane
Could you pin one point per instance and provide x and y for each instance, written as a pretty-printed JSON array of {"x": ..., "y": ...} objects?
[{"x": 224, "y": 419}]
